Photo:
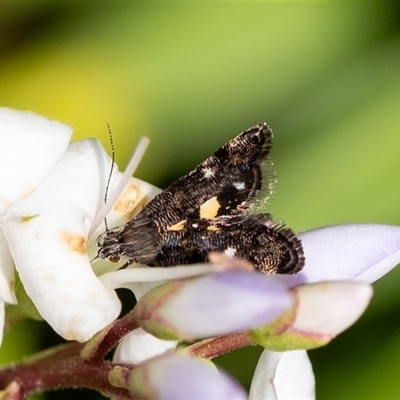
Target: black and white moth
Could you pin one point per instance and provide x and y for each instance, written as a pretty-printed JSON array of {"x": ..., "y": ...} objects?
[{"x": 212, "y": 209}]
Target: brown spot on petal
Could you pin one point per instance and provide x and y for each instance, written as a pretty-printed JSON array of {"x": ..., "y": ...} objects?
[
  {"x": 11, "y": 285},
  {"x": 69, "y": 335},
  {"x": 129, "y": 201},
  {"x": 76, "y": 243}
]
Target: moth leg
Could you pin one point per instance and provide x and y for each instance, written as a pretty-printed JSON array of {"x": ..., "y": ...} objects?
[{"x": 126, "y": 265}]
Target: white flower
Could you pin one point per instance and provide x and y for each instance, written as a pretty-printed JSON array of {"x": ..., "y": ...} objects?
[
  {"x": 30, "y": 146},
  {"x": 50, "y": 197}
]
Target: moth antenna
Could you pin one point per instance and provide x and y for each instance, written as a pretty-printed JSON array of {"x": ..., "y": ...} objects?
[
  {"x": 129, "y": 171},
  {"x": 111, "y": 169}
]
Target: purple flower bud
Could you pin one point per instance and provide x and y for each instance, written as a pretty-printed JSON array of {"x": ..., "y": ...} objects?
[
  {"x": 212, "y": 305},
  {"x": 322, "y": 312},
  {"x": 180, "y": 377}
]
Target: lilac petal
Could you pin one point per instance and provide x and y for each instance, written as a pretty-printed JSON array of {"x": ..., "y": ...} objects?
[
  {"x": 322, "y": 312},
  {"x": 286, "y": 375},
  {"x": 179, "y": 377},
  {"x": 139, "y": 346},
  {"x": 362, "y": 252},
  {"x": 214, "y": 304},
  {"x": 323, "y": 308}
]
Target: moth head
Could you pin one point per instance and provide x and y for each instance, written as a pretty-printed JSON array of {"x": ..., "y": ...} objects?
[
  {"x": 137, "y": 241},
  {"x": 109, "y": 244}
]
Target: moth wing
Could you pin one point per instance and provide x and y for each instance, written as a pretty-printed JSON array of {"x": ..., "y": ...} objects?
[
  {"x": 227, "y": 183},
  {"x": 272, "y": 247}
]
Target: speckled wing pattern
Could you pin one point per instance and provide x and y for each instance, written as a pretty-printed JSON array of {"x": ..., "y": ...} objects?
[{"x": 210, "y": 209}]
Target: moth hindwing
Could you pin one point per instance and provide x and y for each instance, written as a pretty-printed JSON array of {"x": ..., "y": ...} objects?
[{"x": 212, "y": 209}]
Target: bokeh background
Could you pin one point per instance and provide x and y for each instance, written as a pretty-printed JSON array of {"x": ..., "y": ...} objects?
[{"x": 324, "y": 76}]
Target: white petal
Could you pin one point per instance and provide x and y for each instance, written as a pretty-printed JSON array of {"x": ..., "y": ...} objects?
[
  {"x": 7, "y": 280},
  {"x": 115, "y": 193},
  {"x": 363, "y": 252},
  {"x": 75, "y": 186},
  {"x": 139, "y": 289},
  {"x": 139, "y": 346},
  {"x": 287, "y": 375},
  {"x": 125, "y": 277},
  {"x": 57, "y": 275},
  {"x": 131, "y": 201},
  {"x": 30, "y": 146},
  {"x": 49, "y": 244},
  {"x": 263, "y": 385}
]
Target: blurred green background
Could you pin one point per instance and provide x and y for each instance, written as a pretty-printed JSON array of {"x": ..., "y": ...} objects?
[{"x": 324, "y": 76}]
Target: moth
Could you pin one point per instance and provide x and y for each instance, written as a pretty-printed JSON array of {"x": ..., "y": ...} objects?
[{"x": 212, "y": 209}]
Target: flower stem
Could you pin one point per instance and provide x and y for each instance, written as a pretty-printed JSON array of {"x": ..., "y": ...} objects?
[
  {"x": 210, "y": 348},
  {"x": 108, "y": 338},
  {"x": 59, "y": 368}
]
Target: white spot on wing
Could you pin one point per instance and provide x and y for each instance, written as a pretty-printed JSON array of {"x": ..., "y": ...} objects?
[
  {"x": 230, "y": 251},
  {"x": 208, "y": 172},
  {"x": 239, "y": 185}
]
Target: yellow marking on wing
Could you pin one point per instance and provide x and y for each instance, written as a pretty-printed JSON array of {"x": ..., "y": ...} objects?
[
  {"x": 209, "y": 209},
  {"x": 213, "y": 228},
  {"x": 178, "y": 226}
]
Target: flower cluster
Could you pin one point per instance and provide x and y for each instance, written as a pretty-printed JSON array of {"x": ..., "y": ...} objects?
[{"x": 51, "y": 210}]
